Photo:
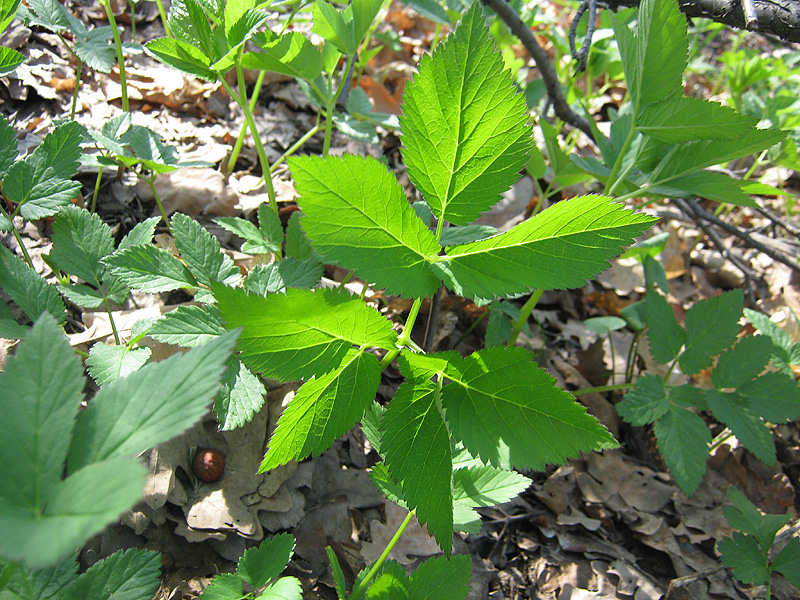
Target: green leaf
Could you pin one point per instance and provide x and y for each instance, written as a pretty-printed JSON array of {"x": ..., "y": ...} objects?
[
  {"x": 225, "y": 586},
  {"x": 302, "y": 333},
  {"x": 39, "y": 584},
  {"x": 290, "y": 54},
  {"x": 371, "y": 425},
  {"x": 80, "y": 241},
  {"x": 82, "y": 295},
  {"x": 8, "y": 9},
  {"x": 289, "y": 273},
  {"x": 150, "y": 405},
  {"x": 665, "y": 334},
  {"x": 41, "y": 182},
  {"x": 109, "y": 363},
  {"x": 743, "y": 554},
  {"x": 148, "y": 149},
  {"x": 150, "y": 269},
  {"x": 430, "y": 9},
  {"x": 742, "y": 363},
  {"x": 749, "y": 429},
  {"x": 787, "y": 562},
  {"x": 561, "y": 247},
  {"x": 745, "y": 516},
  {"x": 10, "y": 59},
  {"x": 357, "y": 216},
  {"x": 386, "y": 485},
  {"x": 683, "y": 439},
  {"x": 49, "y": 14},
  {"x": 40, "y": 394},
  {"x": 202, "y": 253},
  {"x": 188, "y": 22},
  {"x": 8, "y": 146},
  {"x": 9, "y": 328},
  {"x": 391, "y": 583},
  {"x": 286, "y": 588},
  {"x": 297, "y": 245},
  {"x": 27, "y": 534},
  {"x": 338, "y": 574},
  {"x": 28, "y": 289},
  {"x": 441, "y": 579},
  {"x": 485, "y": 485},
  {"x": 94, "y": 46},
  {"x": 141, "y": 234},
  {"x": 646, "y": 402},
  {"x": 452, "y": 236},
  {"x": 182, "y": 56},
  {"x": 416, "y": 447},
  {"x": 774, "y": 397},
  {"x": 509, "y": 412},
  {"x": 785, "y": 352},
  {"x": 604, "y": 325},
  {"x": 255, "y": 240},
  {"x": 464, "y": 124},
  {"x": 711, "y": 326},
  {"x": 323, "y": 409},
  {"x": 259, "y": 565},
  {"x": 335, "y": 26},
  {"x": 240, "y": 397},
  {"x": 129, "y": 574},
  {"x": 188, "y": 326},
  {"x": 684, "y": 119},
  {"x": 706, "y": 184}
]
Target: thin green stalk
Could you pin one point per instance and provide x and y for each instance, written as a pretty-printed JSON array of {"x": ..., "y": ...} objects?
[
  {"x": 470, "y": 329},
  {"x": 720, "y": 439},
  {"x": 123, "y": 82},
  {"x": 111, "y": 320},
  {"x": 382, "y": 558},
  {"x": 18, "y": 237},
  {"x": 133, "y": 19},
  {"x": 296, "y": 146},
  {"x": 629, "y": 366},
  {"x": 602, "y": 388},
  {"x": 332, "y": 99},
  {"x": 525, "y": 312},
  {"x": 162, "y": 13},
  {"x": 78, "y": 76},
  {"x": 97, "y": 188},
  {"x": 152, "y": 183},
  {"x": 405, "y": 337},
  {"x": 613, "y": 182},
  {"x": 237, "y": 147}
]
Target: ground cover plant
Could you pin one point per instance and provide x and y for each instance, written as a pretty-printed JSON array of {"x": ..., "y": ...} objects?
[{"x": 459, "y": 430}]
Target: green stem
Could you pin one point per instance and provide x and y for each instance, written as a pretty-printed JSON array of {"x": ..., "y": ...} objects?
[
  {"x": 162, "y": 13},
  {"x": 18, "y": 237},
  {"x": 133, "y": 19},
  {"x": 332, "y": 99},
  {"x": 724, "y": 436},
  {"x": 631, "y": 357},
  {"x": 237, "y": 147},
  {"x": 152, "y": 183},
  {"x": 613, "y": 182},
  {"x": 97, "y": 188},
  {"x": 75, "y": 90},
  {"x": 382, "y": 558},
  {"x": 111, "y": 320},
  {"x": 296, "y": 146},
  {"x": 123, "y": 82},
  {"x": 470, "y": 329},
  {"x": 525, "y": 312},
  {"x": 602, "y": 388},
  {"x": 405, "y": 337}
]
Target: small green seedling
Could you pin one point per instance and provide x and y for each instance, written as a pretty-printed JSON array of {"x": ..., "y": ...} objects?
[{"x": 748, "y": 551}]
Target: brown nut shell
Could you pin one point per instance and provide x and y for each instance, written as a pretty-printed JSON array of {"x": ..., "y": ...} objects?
[{"x": 209, "y": 465}]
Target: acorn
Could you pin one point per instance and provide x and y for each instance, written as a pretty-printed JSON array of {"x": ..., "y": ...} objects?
[{"x": 209, "y": 465}]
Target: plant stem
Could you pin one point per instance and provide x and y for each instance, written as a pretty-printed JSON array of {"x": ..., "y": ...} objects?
[
  {"x": 602, "y": 388},
  {"x": 332, "y": 99},
  {"x": 162, "y": 13},
  {"x": 75, "y": 90},
  {"x": 111, "y": 320},
  {"x": 405, "y": 337},
  {"x": 295, "y": 147},
  {"x": 237, "y": 147},
  {"x": 613, "y": 182},
  {"x": 97, "y": 188},
  {"x": 152, "y": 183},
  {"x": 525, "y": 312},
  {"x": 123, "y": 82},
  {"x": 18, "y": 237},
  {"x": 382, "y": 558}
]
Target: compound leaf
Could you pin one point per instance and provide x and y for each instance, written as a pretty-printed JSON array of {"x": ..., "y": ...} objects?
[
  {"x": 301, "y": 333},
  {"x": 646, "y": 402},
  {"x": 8, "y": 146},
  {"x": 745, "y": 516},
  {"x": 80, "y": 241},
  {"x": 150, "y": 269},
  {"x": 323, "y": 409},
  {"x": 202, "y": 253},
  {"x": 485, "y": 485},
  {"x": 711, "y": 326},
  {"x": 290, "y": 54},
  {"x": 181, "y": 55},
  {"x": 683, "y": 440},
  {"x": 224, "y": 586},
  {"x": 561, "y": 247},
  {"x": 357, "y": 216},
  {"x": 464, "y": 124}
]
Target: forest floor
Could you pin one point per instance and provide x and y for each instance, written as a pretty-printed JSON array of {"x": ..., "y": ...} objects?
[{"x": 606, "y": 525}]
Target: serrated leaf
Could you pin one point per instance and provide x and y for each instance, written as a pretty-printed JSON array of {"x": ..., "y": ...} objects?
[
  {"x": 94, "y": 47},
  {"x": 711, "y": 326},
  {"x": 684, "y": 119},
  {"x": 8, "y": 146},
  {"x": 357, "y": 216},
  {"x": 742, "y": 363},
  {"x": 10, "y": 59},
  {"x": 646, "y": 402},
  {"x": 141, "y": 234},
  {"x": 9, "y": 328},
  {"x": 464, "y": 124},
  {"x": 452, "y": 236},
  {"x": 125, "y": 575},
  {"x": 559, "y": 248},
  {"x": 386, "y": 485},
  {"x": 665, "y": 334},
  {"x": 148, "y": 148},
  {"x": 391, "y": 583},
  {"x": 39, "y": 584},
  {"x": 683, "y": 440},
  {"x": 40, "y": 394},
  {"x": 150, "y": 405},
  {"x": 109, "y": 363},
  {"x": 259, "y": 565},
  {"x": 787, "y": 562},
  {"x": 255, "y": 241},
  {"x": 785, "y": 352},
  {"x": 82, "y": 295},
  {"x": 224, "y": 586},
  {"x": 290, "y": 54},
  {"x": 49, "y": 14},
  {"x": 416, "y": 447},
  {"x": 150, "y": 269},
  {"x": 182, "y": 56},
  {"x": 509, "y": 412},
  {"x": 289, "y": 273},
  {"x": 41, "y": 182},
  {"x": 371, "y": 425},
  {"x": 285, "y": 588},
  {"x": 485, "y": 485},
  {"x": 441, "y": 578},
  {"x": 749, "y": 429},
  {"x": 323, "y": 409},
  {"x": 742, "y": 554},
  {"x": 774, "y": 397},
  {"x": 188, "y": 22},
  {"x": 745, "y": 516},
  {"x": 297, "y": 245},
  {"x": 241, "y": 396},
  {"x": 80, "y": 241},
  {"x": 338, "y": 573},
  {"x": 706, "y": 184},
  {"x": 302, "y": 333},
  {"x": 202, "y": 253},
  {"x": 188, "y": 326},
  {"x": 8, "y": 9},
  {"x": 28, "y": 289}
]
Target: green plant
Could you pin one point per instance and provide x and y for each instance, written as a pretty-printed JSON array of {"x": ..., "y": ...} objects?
[
  {"x": 259, "y": 567},
  {"x": 748, "y": 551},
  {"x": 10, "y": 59}
]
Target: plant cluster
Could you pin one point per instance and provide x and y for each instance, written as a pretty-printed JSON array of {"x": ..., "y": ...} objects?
[{"x": 458, "y": 428}]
